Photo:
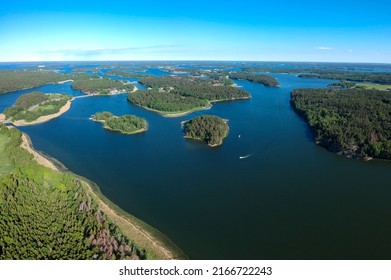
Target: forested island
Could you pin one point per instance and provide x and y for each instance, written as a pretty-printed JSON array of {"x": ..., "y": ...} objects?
[
  {"x": 128, "y": 124},
  {"x": 37, "y": 107},
  {"x": 95, "y": 85},
  {"x": 181, "y": 95},
  {"x": 208, "y": 128},
  {"x": 353, "y": 122},
  {"x": 255, "y": 78},
  {"x": 24, "y": 79},
  {"x": 125, "y": 74}
]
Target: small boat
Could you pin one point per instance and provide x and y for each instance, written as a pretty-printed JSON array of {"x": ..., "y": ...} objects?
[{"x": 239, "y": 136}]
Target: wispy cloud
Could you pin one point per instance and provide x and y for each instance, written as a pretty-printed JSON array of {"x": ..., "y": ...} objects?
[
  {"x": 323, "y": 48},
  {"x": 112, "y": 51}
]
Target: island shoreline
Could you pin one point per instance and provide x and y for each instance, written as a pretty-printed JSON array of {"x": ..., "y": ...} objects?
[{"x": 46, "y": 118}]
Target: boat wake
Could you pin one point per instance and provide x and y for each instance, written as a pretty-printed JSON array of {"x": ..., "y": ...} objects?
[{"x": 246, "y": 156}]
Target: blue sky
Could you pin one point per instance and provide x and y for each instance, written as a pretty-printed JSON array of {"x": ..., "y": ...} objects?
[{"x": 331, "y": 31}]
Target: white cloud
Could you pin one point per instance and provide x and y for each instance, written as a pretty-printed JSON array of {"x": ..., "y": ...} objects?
[{"x": 323, "y": 48}]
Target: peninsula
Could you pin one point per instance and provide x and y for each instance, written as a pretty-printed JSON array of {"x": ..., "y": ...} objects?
[
  {"x": 64, "y": 216},
  {"x": 177, "y": 96},
  {"x": 128, "y": 124},
  {"x": 208, "y": 128},
  {"x": 37, "y": 107}
]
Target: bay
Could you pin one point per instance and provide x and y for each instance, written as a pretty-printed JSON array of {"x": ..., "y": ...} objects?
[{"x": 289, "y": 199}]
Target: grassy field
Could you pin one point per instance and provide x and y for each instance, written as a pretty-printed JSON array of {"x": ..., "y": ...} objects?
[{"x": 374, "y": 86}]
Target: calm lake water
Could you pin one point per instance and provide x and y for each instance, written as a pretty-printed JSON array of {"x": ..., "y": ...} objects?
[{"x": 290, "y": 199}]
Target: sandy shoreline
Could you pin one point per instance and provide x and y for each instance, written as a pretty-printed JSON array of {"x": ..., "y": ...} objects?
[
  {"x": 132, "y": 230},
  {"x": 38, "y": 158},
  {"x": 2, "y": 117},
  {"x": 63, "y": 82},
  {"x": 42, "y": 119}
]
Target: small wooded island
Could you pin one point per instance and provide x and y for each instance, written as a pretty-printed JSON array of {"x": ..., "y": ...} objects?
[
  {"x": 354, "y": 122},
  {"x": 37, "y": 107},
  {"x": 127, "y": 124},
  {"x": 208, "y": 128},
  {"x": 176, "y": 96}
]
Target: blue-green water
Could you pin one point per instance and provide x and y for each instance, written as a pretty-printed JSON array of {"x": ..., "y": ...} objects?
[{"x": 290, "y": 199}]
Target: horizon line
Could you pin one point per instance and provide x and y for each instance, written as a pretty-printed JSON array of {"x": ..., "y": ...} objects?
[{"x": 197, "y": 60}]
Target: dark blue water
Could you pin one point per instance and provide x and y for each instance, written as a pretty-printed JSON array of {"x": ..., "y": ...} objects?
[{"x": 290, "y": 199}]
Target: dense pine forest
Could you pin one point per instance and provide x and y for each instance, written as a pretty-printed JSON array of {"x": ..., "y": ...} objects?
[
  {"x": 208, "y": 128},
  {"x": 31, "y": 106},
  {"x": 180, "y": 94},
  {"x": 352, "y": 122},
  {"x": 45, "y": 214},
  {"x": 128, "y": 124}
]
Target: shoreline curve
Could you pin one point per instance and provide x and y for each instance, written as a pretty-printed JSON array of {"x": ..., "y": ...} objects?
[{"x": 131, "y": 227}]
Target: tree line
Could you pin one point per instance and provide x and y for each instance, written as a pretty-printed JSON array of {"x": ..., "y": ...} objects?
[{"x": 352, "y": 122}]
